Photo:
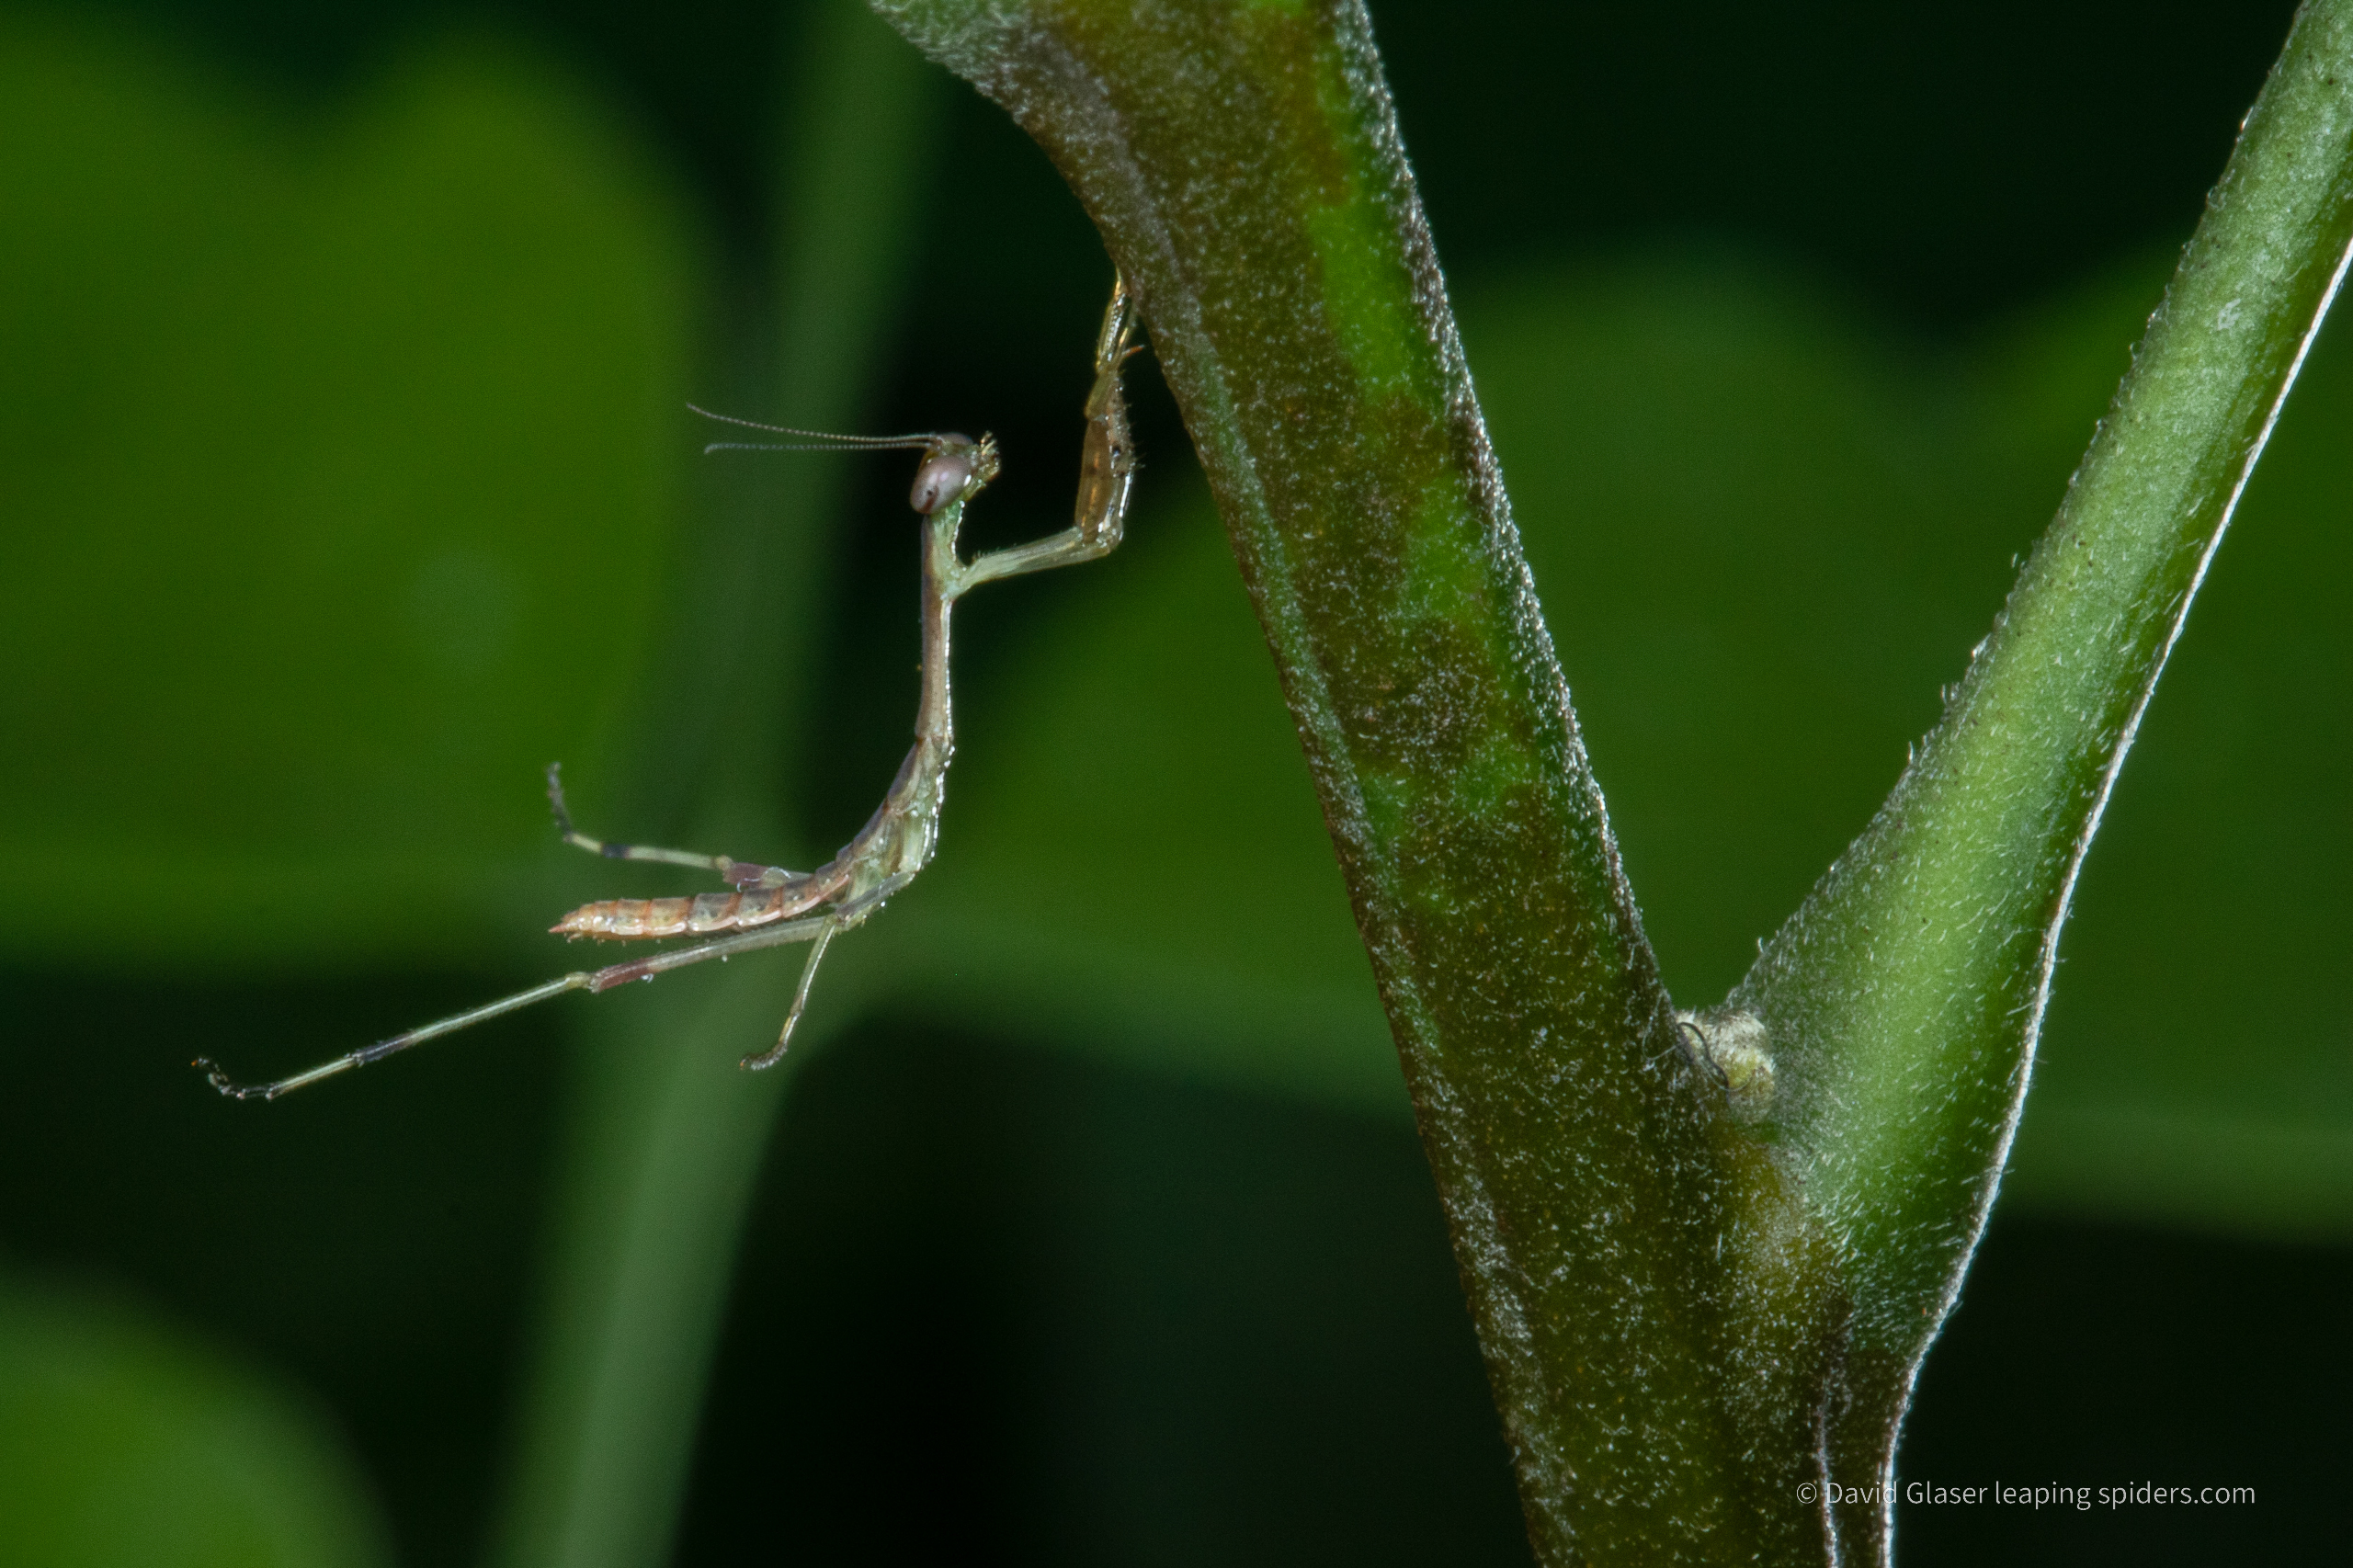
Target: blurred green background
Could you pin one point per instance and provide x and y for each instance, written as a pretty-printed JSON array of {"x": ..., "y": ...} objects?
[{"x": 345, "y": 480}]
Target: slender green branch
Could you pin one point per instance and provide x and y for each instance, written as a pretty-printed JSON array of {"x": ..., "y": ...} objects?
[{"x": 1903, "y": 999}]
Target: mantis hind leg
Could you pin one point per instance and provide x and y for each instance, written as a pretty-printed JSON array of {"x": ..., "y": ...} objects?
[
  {"x": 760, "y": 1060},
  {"x": 849, "y": 913}
]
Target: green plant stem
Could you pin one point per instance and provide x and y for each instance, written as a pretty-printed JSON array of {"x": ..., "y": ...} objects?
[
  {"x": 1687, "y": 1321},
  {"x": 1903, "y": 999},
  {"x": 1243, "y": 163},
  {"x": 666, "y": 1135}
]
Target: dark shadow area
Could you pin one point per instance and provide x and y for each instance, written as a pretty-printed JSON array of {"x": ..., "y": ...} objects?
[
  {"x": 1947, "y": 162},
  {"x": 1092, "y": 1316},
  {"x": 378, "y": 1248},
  {"x": 2086, "y": 1356}
]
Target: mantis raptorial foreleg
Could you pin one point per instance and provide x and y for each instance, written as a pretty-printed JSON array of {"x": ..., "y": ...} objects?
[
  {"x": 770, "y": 906},
  {"x": 1107, "y": 467}
]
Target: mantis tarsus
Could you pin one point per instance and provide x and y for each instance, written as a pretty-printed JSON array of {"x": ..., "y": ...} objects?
[{"x": 770, "y": 906}]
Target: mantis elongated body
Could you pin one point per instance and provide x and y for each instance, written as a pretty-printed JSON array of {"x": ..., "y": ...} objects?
[{"x": 770, "y": 906}]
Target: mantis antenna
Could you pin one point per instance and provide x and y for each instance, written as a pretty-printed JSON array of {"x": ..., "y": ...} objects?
[{"x": 770, "y": 906}]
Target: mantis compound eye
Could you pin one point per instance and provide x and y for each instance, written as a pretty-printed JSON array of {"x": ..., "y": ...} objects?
[{"x": 943, "y": 476}]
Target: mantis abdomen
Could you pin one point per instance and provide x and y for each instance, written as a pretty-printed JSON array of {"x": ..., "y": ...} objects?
[{"x": 644, "y": 919}]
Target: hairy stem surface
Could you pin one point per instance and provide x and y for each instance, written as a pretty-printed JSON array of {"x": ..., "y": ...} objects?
[{"x": 1703, "y": 1265}]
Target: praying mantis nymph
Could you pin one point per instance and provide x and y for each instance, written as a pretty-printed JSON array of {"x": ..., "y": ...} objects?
[{"x": 770, "y": 906}]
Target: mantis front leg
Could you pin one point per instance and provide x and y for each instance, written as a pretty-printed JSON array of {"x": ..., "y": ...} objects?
[{"x": 1107, "y": 467}]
